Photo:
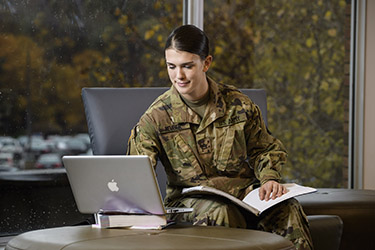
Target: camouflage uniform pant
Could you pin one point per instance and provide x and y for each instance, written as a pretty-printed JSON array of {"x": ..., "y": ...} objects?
[{"x": 286, "y": 219}]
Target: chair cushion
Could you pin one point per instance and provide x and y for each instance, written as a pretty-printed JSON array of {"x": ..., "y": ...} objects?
[{"x": 356, "y": 208}]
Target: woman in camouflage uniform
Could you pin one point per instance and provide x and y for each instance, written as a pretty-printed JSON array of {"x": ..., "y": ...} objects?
[{"x": 211, "y": 134}]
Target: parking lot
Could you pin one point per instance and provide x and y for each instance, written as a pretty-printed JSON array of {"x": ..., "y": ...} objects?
[{"x": 37, "y": 152}]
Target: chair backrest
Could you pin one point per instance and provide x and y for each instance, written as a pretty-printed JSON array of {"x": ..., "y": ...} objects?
[
  {"x": 259, "y": 97},
  {"x": 111, "y": 113}
]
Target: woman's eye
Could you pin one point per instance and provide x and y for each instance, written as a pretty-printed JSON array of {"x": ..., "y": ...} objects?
[{"x": 171, "y": 67}]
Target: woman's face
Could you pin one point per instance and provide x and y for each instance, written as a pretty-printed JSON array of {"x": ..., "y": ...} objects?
[{"x": 187, "y": 72}]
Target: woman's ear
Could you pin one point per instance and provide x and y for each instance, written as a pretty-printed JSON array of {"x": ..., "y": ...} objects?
[{"x": 207, "y": 63}]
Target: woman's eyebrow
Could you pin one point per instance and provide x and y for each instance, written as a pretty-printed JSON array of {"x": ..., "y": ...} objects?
[
  {"x": 187, "y": 63},
  {"x": 182, "y": 64}
]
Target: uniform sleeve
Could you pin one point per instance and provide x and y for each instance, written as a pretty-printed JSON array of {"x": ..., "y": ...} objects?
[
  {"x": 266, "y": 154},
  {"x": 144, "y": 140}
]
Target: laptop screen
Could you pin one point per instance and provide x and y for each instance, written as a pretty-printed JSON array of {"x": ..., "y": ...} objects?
[{"x": 114, "y": 183}]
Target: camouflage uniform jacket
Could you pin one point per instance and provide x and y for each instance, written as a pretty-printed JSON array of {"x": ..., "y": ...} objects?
[{"x": 229, "y": 148}]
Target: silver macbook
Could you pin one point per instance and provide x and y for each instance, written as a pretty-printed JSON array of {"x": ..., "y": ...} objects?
[{"x": 115, "y": 183}]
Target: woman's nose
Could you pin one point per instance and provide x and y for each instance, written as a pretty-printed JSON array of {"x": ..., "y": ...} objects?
[{"x": 180, "y": 74}]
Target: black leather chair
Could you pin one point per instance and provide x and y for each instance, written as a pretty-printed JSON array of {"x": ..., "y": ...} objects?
[{"x": 111, "y": 113}]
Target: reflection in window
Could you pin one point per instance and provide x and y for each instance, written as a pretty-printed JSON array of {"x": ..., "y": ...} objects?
[
  {"x": 296, "y": 51},
  {"x": 49, "y": 50}
]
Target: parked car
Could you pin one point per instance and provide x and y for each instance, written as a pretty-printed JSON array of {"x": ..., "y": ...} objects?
[
  {"x": 85, "y": 138},
  {"x": 71, "y": 146},
  {"x": 24, "y": 139},
  {"x": 11, "y": 145},
  {"x": 9, "y": 141},
  {"x": 47, "y": 161},
  {"x": 7, "y": 162}
]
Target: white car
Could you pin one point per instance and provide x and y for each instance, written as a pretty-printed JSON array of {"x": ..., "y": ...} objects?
[{"x": 7, "y": 162}]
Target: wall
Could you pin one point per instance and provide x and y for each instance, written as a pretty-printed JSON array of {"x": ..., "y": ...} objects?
[{"x": 369, "y": 102}]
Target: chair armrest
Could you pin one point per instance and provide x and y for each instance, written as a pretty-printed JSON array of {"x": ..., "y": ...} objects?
[{"x": 326, "y": 231}]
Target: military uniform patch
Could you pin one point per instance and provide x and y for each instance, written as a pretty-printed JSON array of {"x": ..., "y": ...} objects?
[{"x": 204, "y": 146}]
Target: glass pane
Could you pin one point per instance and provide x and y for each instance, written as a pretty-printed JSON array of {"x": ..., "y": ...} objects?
[
  {"x": 296, "y": 51},
  {"x": 49, "y": 50}
]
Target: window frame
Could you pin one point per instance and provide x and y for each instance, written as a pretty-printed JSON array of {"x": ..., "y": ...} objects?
[{"x": 356, "y": 97}]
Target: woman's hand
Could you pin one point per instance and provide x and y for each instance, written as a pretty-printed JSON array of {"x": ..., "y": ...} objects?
[{"x": 271, "y": 190}]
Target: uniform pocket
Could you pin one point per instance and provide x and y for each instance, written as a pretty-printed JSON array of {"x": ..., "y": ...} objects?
[
  {"x": 232, "y": 153},
  {"x": 184, "y": 161}
]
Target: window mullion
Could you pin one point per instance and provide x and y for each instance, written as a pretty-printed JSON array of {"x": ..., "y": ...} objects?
[{"x": 193, "y": 12}]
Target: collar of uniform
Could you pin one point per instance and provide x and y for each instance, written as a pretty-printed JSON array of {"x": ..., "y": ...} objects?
[
  {"x": 181, "y": 113},
  {"x": 215, "y": 107},
  {"x": 214, "y": 110}
]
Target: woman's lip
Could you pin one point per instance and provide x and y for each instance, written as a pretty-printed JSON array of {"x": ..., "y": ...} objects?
[{"x": 182, "y": 83}]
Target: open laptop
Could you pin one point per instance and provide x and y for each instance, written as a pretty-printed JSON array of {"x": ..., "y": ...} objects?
[{"x": 115, "y": 183}]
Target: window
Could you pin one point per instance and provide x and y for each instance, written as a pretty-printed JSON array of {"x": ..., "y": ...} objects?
[
  {"x": 51, "y": 49},
  {"x": 296, "y": 51}
]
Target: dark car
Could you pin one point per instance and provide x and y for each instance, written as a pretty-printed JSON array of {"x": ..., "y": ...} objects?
[{"x": 51, "y": 160}]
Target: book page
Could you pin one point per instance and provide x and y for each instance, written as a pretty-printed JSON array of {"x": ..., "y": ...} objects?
[
  {"x": 252, "y": 201},
  {"x": 293, "y": 190},
  {"x": 211, "y": 190}
]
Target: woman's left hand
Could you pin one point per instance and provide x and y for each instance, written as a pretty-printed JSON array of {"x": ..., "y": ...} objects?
[{"x": 271, "y": 190}]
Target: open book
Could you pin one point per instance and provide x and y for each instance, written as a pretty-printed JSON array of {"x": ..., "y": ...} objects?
[
  {"x": 252, "y": 201},
  {"x": 132, "y": 221}
]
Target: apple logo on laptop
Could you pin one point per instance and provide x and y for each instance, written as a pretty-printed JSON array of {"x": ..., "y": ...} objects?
[{"x": 112, "y": 185}]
